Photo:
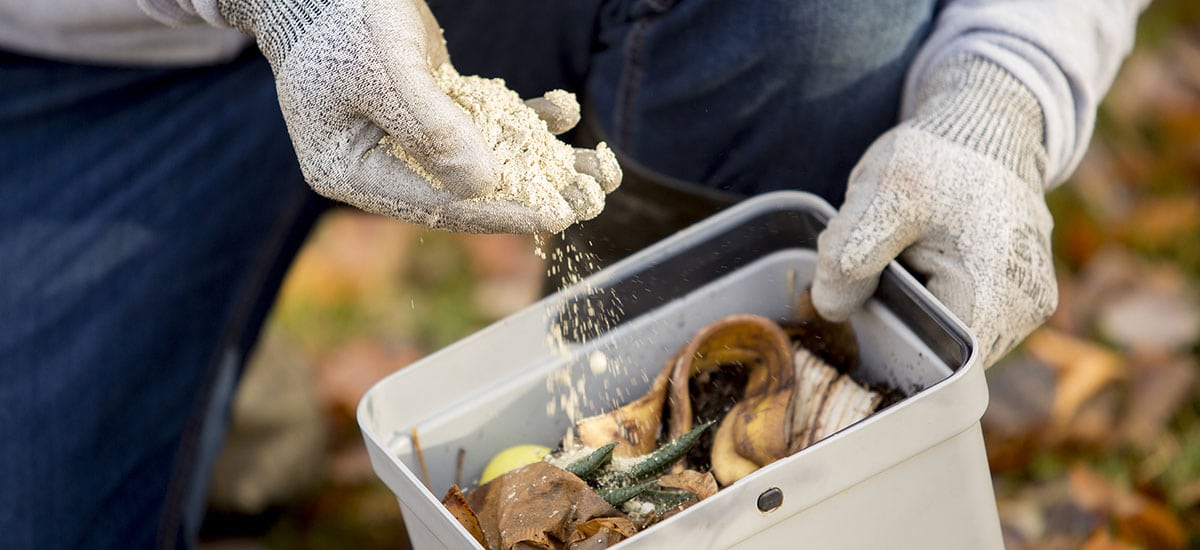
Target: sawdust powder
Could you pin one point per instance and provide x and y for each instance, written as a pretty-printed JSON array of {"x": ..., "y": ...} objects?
[
  {"x": 534, "y": 166},
  {"x": 599, "y": 311}
]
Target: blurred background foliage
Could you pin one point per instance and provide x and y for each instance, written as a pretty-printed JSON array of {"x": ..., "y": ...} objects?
[{"x": 1093, "y": 428}]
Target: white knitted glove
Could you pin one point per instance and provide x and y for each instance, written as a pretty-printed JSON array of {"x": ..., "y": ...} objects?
[
  {"x": 349, "y": 72},
  {"x": 957, "y": 192}
]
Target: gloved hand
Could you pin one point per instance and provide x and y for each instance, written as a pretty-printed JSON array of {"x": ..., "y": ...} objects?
[
  {"x": 349, "y": 72},
  {"x": 957, "y": 192}
]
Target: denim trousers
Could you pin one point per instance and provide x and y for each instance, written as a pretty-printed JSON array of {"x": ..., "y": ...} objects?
[{"x": 147, "y": 215}]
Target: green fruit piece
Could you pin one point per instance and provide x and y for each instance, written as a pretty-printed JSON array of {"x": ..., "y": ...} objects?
[{"x": 512, "y": 458}]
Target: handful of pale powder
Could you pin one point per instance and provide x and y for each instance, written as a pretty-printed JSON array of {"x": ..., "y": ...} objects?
[{"x": 536, "y": 169}]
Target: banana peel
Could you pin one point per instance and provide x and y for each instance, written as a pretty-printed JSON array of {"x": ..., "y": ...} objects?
[
  {"x": 727, "y": 465},
  {"x": 789, "y": 402},
  {"x": 758, "y": 428},
  {"x": 762, "y": 427},
  {"x": 633, "y": 427}
]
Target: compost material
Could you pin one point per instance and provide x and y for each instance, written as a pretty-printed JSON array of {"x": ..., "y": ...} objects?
[
  {"x": 741, "y": 394},
  {"x": 535, "y": 168}
]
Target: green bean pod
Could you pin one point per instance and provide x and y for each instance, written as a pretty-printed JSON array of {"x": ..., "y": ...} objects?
[
  {"x": 587, "y": 466},
  {"x": 664, "y": 457},
  {"x": 617, "y": 496},
  {"x": 666, "y": 500}
]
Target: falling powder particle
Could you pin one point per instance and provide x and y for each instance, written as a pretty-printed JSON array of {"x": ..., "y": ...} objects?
[
  {"x": 597, "y": 312},
  {"x": 597, "y": 361}
]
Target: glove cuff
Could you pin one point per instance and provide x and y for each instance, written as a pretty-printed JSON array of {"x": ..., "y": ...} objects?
[
  {"x": 975, "y": 103},
  {"x": 275, "y": 24}
]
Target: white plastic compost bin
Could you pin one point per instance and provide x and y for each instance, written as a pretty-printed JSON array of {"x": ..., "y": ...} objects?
[{"x": 911, "y": 476}]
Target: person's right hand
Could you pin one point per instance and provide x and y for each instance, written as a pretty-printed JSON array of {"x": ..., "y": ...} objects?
[
  {"x": 957, "y": 192},
  {"x": 349, "y": 72}
]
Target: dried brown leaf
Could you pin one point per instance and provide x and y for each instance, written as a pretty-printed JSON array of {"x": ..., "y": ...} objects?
[
  {"x": 702, "y": 485},
  {"x": 1159, "y": 221},
  {"x": 1103, "y": 540},
  {"x": 456, "y": 504},
  {"x": 1152, "y": 525},
  {"x": 1090, "y": 490},
  {"x": 536, "y": 506},
  {"x": 601, "y": 533},
  {"x": 1083, "y": 369},
  {"x": 1138, "y": 519}
]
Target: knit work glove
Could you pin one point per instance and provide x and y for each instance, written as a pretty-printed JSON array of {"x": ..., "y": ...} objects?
[
  {"x": 957, "y": 193},
  {"x": 350, "y": 72}
]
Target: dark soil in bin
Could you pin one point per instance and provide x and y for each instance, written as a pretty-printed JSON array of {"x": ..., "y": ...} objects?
[{"x": 713, "y": 394}]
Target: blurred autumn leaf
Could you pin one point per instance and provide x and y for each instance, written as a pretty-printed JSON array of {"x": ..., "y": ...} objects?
[{"x": 1093, "y": 431}]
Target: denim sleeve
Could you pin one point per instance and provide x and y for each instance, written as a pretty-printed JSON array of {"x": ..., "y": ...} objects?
[{"x": 1065, "y": 51}]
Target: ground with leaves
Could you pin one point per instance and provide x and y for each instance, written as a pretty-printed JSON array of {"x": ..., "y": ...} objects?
[{"x": 1093, "y": 429}]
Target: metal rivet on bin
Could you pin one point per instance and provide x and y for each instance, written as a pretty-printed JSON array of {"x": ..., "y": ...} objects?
[{"x": 770, "y": 499}]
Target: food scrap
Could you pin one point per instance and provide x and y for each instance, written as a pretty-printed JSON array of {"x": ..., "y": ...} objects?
[{"x": 744, "y": 392}]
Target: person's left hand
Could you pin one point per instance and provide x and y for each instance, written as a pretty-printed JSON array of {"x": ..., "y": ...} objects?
[
  {"x": 351, "y": 74},
  {"x": 957, "y": 192}
]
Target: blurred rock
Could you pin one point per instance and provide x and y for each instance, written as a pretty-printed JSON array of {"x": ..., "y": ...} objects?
[
  {"x": 1160, "y": 315},
  {"x": 1137, "y": 304},
  {"x": 1021, "y": 390},
  {"x": 1111, "y": 272},
  {"x": 275, "y": 447},
  {"x": 1020, "y": 395},
  {"x": 1160, "y": 387}
]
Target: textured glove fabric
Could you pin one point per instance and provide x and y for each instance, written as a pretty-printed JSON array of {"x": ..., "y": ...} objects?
[
  {"x": 957, "y": 192},
  {"x": 349, "y": 72}
]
